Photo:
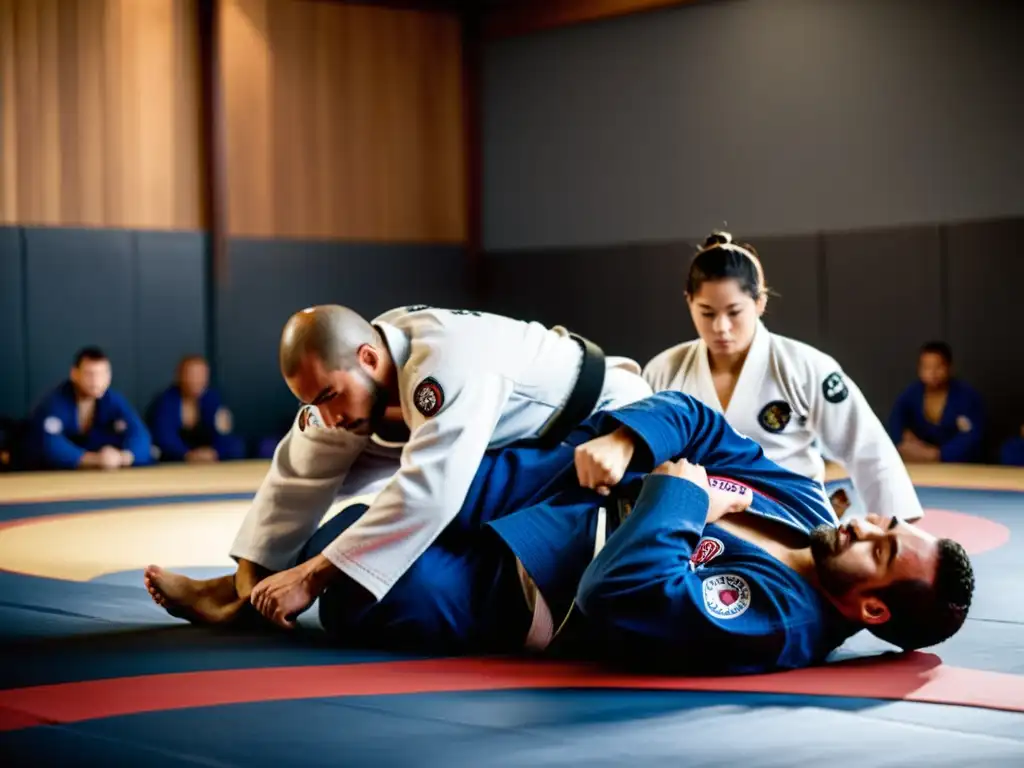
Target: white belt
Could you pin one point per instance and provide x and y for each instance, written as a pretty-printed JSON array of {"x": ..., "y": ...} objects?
[{"x": 542, "y": 629}]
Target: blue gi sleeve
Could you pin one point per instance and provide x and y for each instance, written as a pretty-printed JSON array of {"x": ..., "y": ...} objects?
[
  {"x": 165, "y": 420},
  {"x": 967, "y": 445},
  {"x": 137, "y": 439},
  {"x": 673, "y": 425},
  {"x": 647, "y": 607},
  {"x": 56, "y": 450},
  {"x": 901, "y": 417}
]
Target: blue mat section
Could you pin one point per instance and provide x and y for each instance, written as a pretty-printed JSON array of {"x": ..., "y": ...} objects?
[
  {"x": 60, "y": 631},
  {"x": 537, "y": 728}
]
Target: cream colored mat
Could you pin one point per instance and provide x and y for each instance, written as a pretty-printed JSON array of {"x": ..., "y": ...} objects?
[{"x": 80, "y": 547}]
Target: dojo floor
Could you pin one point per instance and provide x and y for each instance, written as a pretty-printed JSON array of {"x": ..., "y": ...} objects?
[{"x": 93, "y": 673}]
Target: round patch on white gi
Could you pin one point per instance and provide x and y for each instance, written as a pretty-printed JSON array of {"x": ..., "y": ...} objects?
[
  {"x": 726, "y": 596},
  {"x": 429, "y": 397},
  {"x": 963, "y": 424},
  {"x": 222, "y": 421},
  {"x": 53, "y": 425},
  {"x": 834, "y": 388},
  {"x": 120, "y": 426},
  {"x": 309, "y": 418}
]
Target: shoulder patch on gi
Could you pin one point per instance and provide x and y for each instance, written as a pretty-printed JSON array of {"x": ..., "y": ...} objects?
[
  {"x": 428, "y": 397},
  {"x": 775, "y": 416},
  {"x": 222, "y": 421},
  {"x": 963, "y": 424},
  {"x": 834, "y": 388},
  {"x": 707, "y": 550},
  {"x": 309, "y": 418},
  {"x": 726, "y": 596},
  {"x": 120, "y": 426},
  {"x": 53, "y": 425}
]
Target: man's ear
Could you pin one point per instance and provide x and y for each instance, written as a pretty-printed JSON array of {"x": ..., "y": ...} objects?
[
  {"x": 873, "y": 611},
  {"x": 369, "y": 357}
]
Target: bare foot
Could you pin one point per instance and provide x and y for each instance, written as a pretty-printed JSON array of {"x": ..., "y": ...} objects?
[{"x": 210, "y": 601}]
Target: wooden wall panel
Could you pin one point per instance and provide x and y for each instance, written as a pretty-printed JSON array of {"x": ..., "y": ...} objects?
[
  {"x": 509, "y": 18},
  {"x": 99, "y": 110},
  {"x": 343, "y": 122}
]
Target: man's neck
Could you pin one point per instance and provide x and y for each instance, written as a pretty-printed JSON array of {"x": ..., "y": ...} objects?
[{"x": 785, "y": 545}]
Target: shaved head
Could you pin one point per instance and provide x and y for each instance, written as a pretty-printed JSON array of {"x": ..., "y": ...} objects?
[{"x": 329, "y": 332}]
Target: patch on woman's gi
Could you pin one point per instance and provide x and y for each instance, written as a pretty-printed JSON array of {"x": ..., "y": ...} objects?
[
  {"x": 309, "y": 416},
  {"x": 428, "y": 397},
  {"x": 963, "y": 424},
  {"x": 775, "y": 416},
  {"x": 726, "y": 596},
  {"x": 834, "y": 388}
]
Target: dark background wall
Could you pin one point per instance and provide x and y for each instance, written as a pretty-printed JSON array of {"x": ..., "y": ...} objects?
[{"x": 871, "y": 151}]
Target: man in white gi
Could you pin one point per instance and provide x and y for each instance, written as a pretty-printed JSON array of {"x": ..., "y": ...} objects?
[{"x": 404, "y": 406}]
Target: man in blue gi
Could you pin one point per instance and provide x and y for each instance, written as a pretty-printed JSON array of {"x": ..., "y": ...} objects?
[
  {"x": 938, "y": 418},
  {"x": 189, "y": 421},
  {"x": 84, "y": 424},
  {"x": 658, "y": 536}
]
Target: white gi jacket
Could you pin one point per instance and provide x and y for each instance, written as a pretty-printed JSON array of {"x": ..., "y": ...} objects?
[
  {"x": 789, "y": 397},
  {"x": 468, "y": 382}
]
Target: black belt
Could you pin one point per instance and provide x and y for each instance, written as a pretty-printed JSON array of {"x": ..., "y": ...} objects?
[{"x": 583, "y": 398}]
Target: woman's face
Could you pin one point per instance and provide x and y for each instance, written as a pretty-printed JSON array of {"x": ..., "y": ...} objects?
[{"x": 725, "y": 315}]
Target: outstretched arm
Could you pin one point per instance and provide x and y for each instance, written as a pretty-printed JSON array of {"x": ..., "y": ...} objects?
[
  {"x": 855, "y": 436},
  {"x": 674, "y": 425}
]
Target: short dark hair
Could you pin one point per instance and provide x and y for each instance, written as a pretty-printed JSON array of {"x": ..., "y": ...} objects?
[
  {"x": 719, "y": 259},
  {"x": 94, "y": 354},
  {"x": 923, "y": 614},
  {"x": 940, "y": 348}
]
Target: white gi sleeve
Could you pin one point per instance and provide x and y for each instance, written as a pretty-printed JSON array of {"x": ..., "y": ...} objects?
[
  {"x": 856, "y": 438},
  {"x": 454, "y": 416},
  {"x": 309, "y": 466}
]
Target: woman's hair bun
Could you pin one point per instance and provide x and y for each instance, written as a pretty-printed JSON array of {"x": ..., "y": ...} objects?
[{"x": 717, "y": 237}]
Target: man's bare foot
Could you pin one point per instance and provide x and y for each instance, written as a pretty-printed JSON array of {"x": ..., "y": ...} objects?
[{"x": 209, "y": 601}]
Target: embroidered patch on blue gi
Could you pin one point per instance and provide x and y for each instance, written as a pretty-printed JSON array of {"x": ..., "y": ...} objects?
[
  {"x": 726, "y": 596},
  {"x": 775, "y": 416},
  {"x": 428, "y": 397},
  {"x": 834, "y": 388},
  {"x": 707, "y": 550}
]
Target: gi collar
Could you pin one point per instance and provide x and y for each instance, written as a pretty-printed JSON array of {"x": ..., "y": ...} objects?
[{"x": 397, "y": 341}]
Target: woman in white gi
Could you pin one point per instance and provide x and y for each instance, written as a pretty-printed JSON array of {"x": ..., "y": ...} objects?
[{"x": 788, "y": 396}]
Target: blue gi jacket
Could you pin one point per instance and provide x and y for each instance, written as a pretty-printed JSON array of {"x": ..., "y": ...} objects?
[
  {"x": 56, "y": 442},
  {"x": 213, "y": 428},
  {"x": 654, "y": 592},
  {"x": 959, "y": 433}
]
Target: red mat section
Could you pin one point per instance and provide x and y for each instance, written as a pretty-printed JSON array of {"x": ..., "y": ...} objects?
[{"x": 913, "y": 677}]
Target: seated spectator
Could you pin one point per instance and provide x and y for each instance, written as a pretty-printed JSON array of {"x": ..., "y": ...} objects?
[
  {"x": 1012, "y": 451},
  {"x": 938, "y": 418},
  {"x": 189, "y": 422},
  {"x": 84, "y": 424}
]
